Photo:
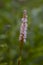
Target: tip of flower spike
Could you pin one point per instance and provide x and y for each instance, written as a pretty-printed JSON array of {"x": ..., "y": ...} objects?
[{"x": 25, "y": 11}]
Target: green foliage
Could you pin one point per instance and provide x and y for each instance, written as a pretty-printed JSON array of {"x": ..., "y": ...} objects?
[{"x": 10, "y": 15}]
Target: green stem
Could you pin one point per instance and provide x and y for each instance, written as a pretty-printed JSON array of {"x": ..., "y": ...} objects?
[{"x": 21, "y": 47}]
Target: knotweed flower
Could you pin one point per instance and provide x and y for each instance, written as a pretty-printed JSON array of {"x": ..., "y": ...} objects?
[{"x": 23, "y": 28}]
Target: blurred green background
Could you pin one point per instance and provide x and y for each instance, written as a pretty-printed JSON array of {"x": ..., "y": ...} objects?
[{"x": 10, "y": 16}]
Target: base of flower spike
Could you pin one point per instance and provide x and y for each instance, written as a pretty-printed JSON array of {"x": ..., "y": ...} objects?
[{"x": 24, "y": 40}]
